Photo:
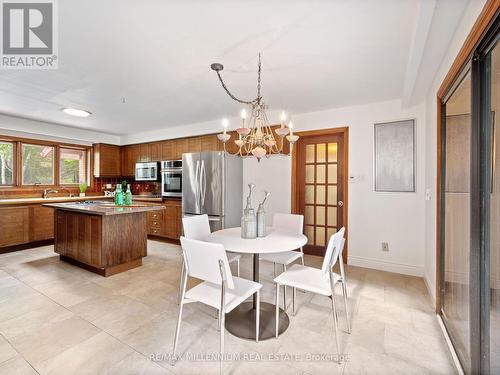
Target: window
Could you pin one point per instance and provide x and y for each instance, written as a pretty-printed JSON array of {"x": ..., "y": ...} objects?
[
  {"x": 72, "y": 165},
  {"x": 6, "y": 163},
  {"x": 38, "y": 164}
]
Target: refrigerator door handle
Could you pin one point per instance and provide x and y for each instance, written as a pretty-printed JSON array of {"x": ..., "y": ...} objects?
[
  {"x": 203, "y": 182},
  {"x": 197, "y": 187}
]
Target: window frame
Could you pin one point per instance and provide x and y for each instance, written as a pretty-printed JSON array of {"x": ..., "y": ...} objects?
[
  {"x": 18, "y": 163},
  {"x": 14, "y": 163},
  {"x": 54, "y": 163},
  {"x": 86, "y": 166}
]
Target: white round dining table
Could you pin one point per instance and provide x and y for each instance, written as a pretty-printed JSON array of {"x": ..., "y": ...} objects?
[{"x": 241, "y": 321}]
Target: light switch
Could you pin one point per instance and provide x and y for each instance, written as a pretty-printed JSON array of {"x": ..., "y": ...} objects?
[{"x": 427, "y": 194}]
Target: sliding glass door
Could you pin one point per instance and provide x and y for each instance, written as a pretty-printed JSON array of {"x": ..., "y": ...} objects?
[
  {"x": 470, "y": 209},
  {"x": 493, "y": 65},
  {"x": 456, "y": 220}
]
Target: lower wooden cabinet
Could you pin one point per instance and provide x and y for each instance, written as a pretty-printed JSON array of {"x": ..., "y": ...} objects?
[
  {"x": 41, "y": 223},
  {"x": 23, "y": 224},
  {"x": 166, "y": 223},
  {"x": 14, "y": 224}
]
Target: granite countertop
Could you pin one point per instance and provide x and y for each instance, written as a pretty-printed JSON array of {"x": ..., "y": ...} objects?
[
  {"x": 105, "y": 208},
  {"x": 50, "y": 199}
]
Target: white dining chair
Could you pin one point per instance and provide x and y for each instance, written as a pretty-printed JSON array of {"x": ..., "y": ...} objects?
[
  {"x": 220, "y": 289},
  {"x": 197, "y": 227},
  {"x": 319, "y": 281},
  {"x": 288, "y": 223}
]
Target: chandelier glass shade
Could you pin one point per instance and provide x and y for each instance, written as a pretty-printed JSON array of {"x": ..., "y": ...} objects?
[{"x": 256, "y": 137}]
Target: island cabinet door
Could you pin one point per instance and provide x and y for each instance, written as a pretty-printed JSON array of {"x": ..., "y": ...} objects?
[
  {"x": 124, "y": 238},
  {"x": 78, "y": 236}
]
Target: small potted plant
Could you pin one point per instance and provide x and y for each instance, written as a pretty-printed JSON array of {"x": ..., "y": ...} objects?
[{"x": 83, "y": 189}]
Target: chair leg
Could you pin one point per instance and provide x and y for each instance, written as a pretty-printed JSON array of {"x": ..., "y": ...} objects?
[
  {"x": 257, "y": 318},
  {"x": 277, "y": 308},
  {"x": 238, "y": 269},
  {"x": 222, "y": 320},
  {"x": 180, "y": 284},
  {"x": 294, "y": 295},
  {"x": 344, "y": 292},
  {"x": 177, "y": 331},
  {"x": 284, "y": 291},
  {"x": 335, "y": 323},
  {"x": 218, "y": 320}
]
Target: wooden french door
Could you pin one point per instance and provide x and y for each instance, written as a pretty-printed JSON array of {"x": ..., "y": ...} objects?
[{"x": 319, "y": 187}]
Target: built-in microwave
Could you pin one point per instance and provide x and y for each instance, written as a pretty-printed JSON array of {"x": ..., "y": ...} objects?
[
  {"x": 171, "y": 178},
  {"x": 147, "y": 171}
]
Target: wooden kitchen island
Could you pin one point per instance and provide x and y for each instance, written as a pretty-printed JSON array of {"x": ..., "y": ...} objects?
[{"x": 100, "y": 236}]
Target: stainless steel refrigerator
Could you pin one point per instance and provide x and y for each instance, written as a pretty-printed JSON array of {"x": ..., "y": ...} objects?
[{"x": 212, "y": 184}]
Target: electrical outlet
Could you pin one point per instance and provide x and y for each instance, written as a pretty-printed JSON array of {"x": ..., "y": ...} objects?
[{"x": 385, "y": 246}]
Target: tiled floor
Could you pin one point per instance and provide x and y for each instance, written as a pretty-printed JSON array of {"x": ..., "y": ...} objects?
[{"x": 58, "y": 319}]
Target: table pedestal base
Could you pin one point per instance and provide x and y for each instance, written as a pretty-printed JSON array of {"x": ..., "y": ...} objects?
[{"x": 241, "y": 321}]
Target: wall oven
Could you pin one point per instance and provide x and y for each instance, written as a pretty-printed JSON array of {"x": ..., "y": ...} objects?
[
  {"x": 147, "y": 171},
  {"x": 171, "y": 178}
]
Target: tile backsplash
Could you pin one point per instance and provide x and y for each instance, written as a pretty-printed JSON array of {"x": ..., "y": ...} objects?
[{"x": 137, "y": 187}]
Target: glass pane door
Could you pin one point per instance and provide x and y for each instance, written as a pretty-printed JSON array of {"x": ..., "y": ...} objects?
[
  {"x": 320, "y": 188},
  {"x": 456, "y": 218}
]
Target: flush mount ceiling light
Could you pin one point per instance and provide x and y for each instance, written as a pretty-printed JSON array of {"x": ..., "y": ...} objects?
[
  {"x": 255, "y": 136},
  {"x": 76, "y": 112}
]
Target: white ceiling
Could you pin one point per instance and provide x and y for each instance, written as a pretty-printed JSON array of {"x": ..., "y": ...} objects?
[{"x": 157, "y": 55}]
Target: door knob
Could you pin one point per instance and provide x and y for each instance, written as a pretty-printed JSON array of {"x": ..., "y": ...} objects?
[{"x": 341, "y": 204}]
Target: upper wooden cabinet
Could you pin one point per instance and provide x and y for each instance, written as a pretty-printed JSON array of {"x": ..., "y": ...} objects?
[
  {"x": 145, "y": 152},
  {"x": 210, "y": 143},
  {"x": 107, "y": 160},
  {"x": 167, "y": 150},
  {"x": 156, "y": 151},
  {"x": 131, "y": 154},
  {"x": 194, "y": 144},
  {"x": 181, "y": 146}
]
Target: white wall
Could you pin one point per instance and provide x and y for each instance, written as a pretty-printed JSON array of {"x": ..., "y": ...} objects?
[
  {"x": 274, "y": 175},
  {"x": 21, "y": 127},
  {"x": 396, "y": 218},
  {"x": 468, "y": 19}
]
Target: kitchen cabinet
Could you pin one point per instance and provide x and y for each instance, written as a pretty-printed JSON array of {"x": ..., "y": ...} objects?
[
  {"x": 168, "y": 150},
  {"x": 156, "y": 151},
  {"x": 172, "y": 220},
  {"x": 156, "y": 225},
  {"x": 166, "y": 223},
  {"x": 127, "y": 167},
  {"x": 181, "y": 146},
  {"x": 41, "y": 223},
  {"x": 107, "y": 160},
  {"x": 194, "y": 144},
  {"x": 145, "y": 152},
  {"x": 131, "y": 154},
  {"x": 210, "y": 143},
  {"x": 14, "y": 222}
]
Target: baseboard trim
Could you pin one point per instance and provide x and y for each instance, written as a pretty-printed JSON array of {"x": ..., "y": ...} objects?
[
  {"x": 430, "y": 289},
  {"x": 405, "y": 269},
  {"x": 453, "y": 353}
]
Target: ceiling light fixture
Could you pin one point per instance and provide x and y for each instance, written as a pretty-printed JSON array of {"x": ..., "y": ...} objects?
[
  {"x": 256, "y": 137},
  {"x": 76, "y": 112}
]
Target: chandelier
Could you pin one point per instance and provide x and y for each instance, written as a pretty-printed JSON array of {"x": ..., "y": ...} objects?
[{"x": 256, "y": 136}]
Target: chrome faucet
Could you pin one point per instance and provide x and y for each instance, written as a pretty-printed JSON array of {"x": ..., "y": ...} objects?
[
  {"x": 69, "y": 191},
  {"x": 46, "y": 192}
]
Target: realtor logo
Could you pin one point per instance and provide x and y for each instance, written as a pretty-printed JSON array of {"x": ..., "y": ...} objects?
[{"x": 29, "y": 38}]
